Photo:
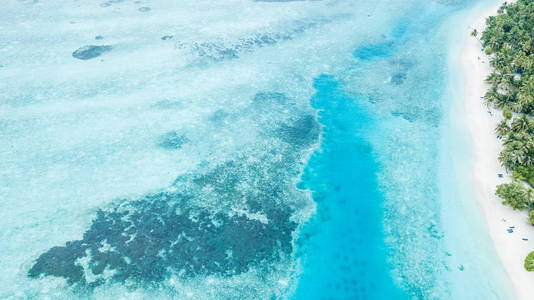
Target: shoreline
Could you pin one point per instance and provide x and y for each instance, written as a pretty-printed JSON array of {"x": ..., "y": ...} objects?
[{"x": 481, "y": 123}]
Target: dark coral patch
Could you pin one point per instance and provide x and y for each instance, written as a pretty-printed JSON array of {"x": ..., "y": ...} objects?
[
  {"x": 303, "y": 132},
  {"x": 149, "y": 239},
  {"x": 172, "y": 140},
  {"x": 90, "y": 51},
  {"x": 398, "y": 78},
  {"x": 58, "y": 262}
]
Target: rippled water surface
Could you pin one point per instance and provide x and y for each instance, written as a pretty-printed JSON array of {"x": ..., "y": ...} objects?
[{"x": 269, "y": 149}]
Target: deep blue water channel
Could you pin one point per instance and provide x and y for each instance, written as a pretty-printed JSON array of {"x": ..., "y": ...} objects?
[{"x": 345, "y": 257}]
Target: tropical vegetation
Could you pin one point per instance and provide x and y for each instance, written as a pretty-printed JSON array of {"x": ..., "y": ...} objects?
[
  {"x": 508, "y": 40},
  {"x": 515, "y": 195},
  {"x": 529, "y": 262}
]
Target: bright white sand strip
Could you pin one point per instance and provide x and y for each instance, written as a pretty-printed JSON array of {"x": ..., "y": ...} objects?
[{"x": 511, "y": 247}]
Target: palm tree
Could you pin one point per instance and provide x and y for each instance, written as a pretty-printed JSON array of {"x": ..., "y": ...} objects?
[
  {"x": 518, "y": 150},
  {"x": 503, "y": 128},
  {"x": 521, "y": 124},
  {"x": 492, "y": 97},
  {"x": 526, "y": 93},
  {"x": 509, "y": 159},
  {"x": 530, "y": 198},
  {"x": 494, "y": 79}
]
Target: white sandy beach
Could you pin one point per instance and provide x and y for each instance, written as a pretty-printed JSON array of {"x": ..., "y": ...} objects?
[{"x": 511, "y": 247}]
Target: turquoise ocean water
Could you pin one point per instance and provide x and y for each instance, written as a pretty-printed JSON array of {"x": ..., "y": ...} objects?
[
  {"x": 344, "y": 242},
  {"x": 238, "y": 150},
  {"x": 411, "y": 172}
]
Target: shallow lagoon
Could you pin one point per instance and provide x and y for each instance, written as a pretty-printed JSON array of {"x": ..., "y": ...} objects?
[{"x": 170, "y": 161}]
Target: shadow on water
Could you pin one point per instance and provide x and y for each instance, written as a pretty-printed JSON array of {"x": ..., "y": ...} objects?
[{"x": 342, "y": 247}]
